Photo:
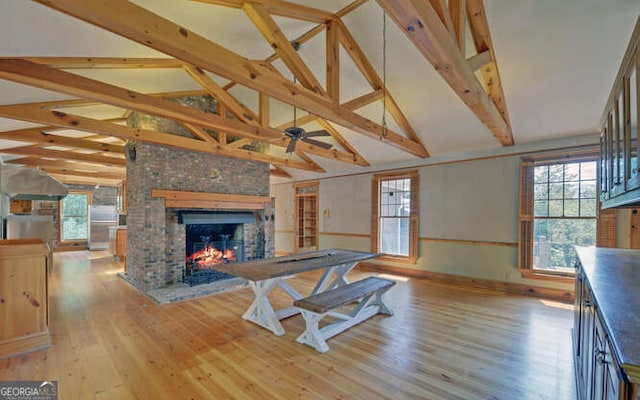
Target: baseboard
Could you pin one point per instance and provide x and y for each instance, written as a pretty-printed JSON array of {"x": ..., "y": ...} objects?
[{"x": 565, "y": 296}]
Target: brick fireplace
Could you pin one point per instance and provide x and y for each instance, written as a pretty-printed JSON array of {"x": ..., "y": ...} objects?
[{"x": 165, "y": 183}]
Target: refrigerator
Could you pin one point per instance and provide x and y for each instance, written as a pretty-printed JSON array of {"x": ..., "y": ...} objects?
[
  {"x": 31, "y": 227},
  {"x": 101, "y": 218}
]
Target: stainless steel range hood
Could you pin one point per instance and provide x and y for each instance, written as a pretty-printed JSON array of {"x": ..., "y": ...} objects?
[{"x": 22, "y": 183}]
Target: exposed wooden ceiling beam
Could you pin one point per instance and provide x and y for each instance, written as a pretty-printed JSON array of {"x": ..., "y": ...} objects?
[
  {"x": 37, "y": 135},
  {"x": 366, "y": 68},
  {"x": 222, "y": 96},
  {"x": 279, "y": 172},
  {"x": 68, "y": 165},
  {"x": 457, "y": 9},
  {"x": 352, "y": 104},
  {"x": 422, "y": 25},
  {"x": 201, "y": 133},
  {"x": 88, "y": 174},
  {"x": 38, "y": 115},
  {"x": 279, "y": 42},
  {"x": 35, "y": 150},
  {"x": 479, "y": 27},
  {"x": 332, "y": 51},
  {"x": 280, "y": 8},
  {"x": 85, "y": 180},
  {"x": 104, "y": 62},
  {"x": 138, "y": 24},
  {"x": 41, "y": 76}
]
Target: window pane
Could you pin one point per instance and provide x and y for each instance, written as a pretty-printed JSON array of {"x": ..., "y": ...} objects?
[
  {"x": 588, "y": 208},
  {"x": 74, "y": 228},
  {"x": 555, "y": 191},
  {"x": 571, "y": 208},
  {"x": 541, "y": 174},
  {"x": 554, "y": 241},
  {"x": 572, "y": 172},
  {"x": 74, "y": 219},
  {"x": 556, "y": 173},
  {"x": 588, "y": 170},
  {"x": 588, "y": 189},
  {"x": 394, "y": 236},
  {"x": 540, "y": 208},
  {"x": 571, "y": 190},
  {"x": 555, "y": 208},
  {"x": 541, "y": 191}
]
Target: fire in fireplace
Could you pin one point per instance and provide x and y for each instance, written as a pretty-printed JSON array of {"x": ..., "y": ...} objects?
[{"x": 211, "y": 239}]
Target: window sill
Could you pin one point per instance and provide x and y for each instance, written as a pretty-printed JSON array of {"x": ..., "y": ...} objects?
[
  {"x": 564, "y": 277},
  {"x": 398, "y": 259}
]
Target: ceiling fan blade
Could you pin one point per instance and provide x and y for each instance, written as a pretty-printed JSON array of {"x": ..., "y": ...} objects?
[
  {"x": 292, "y": 146},
  {"x": 318, "y": 143},
  {"x": 317, "y": 133}
]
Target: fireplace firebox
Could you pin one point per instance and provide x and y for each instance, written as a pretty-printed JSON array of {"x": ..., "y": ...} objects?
[{"x": 212, "y": 238}]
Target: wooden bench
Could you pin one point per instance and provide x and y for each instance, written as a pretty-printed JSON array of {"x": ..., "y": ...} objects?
[{"x": 367, "y": 292}]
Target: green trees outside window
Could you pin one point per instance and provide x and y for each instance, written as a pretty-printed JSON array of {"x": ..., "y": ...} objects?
[{"x": 74, "y": 217}]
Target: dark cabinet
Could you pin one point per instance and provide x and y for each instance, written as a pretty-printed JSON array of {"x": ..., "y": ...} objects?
[
  {"x": 619, "y": 178},
  {"x": 599, "y": 375}
]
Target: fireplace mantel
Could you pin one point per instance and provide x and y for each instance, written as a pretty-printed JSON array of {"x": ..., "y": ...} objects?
[{"x": 183, "y": 199}]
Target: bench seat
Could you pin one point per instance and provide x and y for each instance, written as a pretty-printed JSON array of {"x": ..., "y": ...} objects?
[{"x": 368, "y": 295}]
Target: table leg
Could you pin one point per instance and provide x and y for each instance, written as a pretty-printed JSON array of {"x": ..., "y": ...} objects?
[
  {"x": 340, "y": 279},
  {"x": 260, "y": 311}
]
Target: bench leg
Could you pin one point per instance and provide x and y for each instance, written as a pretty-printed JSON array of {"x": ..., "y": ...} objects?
[
  {"x": 383, "y": 308},
  {"x": 311, "y": 335},
  {"x": 365, "y": 309}
]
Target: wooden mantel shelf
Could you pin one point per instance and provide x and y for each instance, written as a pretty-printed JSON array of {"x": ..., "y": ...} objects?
[{"x": 181, "y": 199}]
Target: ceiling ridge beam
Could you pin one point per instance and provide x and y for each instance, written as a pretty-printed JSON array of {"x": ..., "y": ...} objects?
[
  {"x": 140, "y": 25},
  {"x": 38, "y": 115},
  {"x": 422, "y": 25}
]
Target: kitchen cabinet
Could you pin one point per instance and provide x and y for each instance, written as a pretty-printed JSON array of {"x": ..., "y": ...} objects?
[
  {"x": 118, "y": 243},
  {"x": 618, "y": 165},
  {"x": 24, "y": 298},
  {"x": 606, "y": 347}
]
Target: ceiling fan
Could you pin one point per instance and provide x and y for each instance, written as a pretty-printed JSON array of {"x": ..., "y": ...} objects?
[{"x": 296, "y": 133}]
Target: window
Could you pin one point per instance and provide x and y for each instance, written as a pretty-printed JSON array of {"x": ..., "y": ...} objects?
[
  {"x": 559, "y": 210},
  {"x": 74, "y": 217},
  {"x": 395, "y": 215}
]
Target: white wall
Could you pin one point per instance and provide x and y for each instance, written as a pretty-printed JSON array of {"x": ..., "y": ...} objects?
[{"x": 461, "y": 202}]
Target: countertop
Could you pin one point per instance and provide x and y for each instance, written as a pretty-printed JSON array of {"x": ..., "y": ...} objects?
[{"x": 614, "y": 278}]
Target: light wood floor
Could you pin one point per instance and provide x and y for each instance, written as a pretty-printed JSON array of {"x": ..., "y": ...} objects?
[{"x": 444, "y": 342}]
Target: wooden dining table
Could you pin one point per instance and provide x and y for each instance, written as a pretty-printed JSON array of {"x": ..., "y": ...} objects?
[{"x": 266, "y": 274}]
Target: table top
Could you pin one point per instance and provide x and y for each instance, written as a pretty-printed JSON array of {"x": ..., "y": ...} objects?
[
  {"x": 258, "y": 270},
  {"x": 614, "y": 278}
]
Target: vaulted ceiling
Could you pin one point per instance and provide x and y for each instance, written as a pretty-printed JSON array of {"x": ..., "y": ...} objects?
[{"x": 391, "y": 82}]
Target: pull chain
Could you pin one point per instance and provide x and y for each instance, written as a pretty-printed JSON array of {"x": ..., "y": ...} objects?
[{"x": 384, "y": 75}]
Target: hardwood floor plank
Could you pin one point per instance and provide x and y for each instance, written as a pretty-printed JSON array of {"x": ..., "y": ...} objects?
[{"x": 443, "y": 342}]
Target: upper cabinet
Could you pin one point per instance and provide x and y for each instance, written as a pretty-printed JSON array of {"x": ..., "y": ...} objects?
[{"x": 619, "y": 178}]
